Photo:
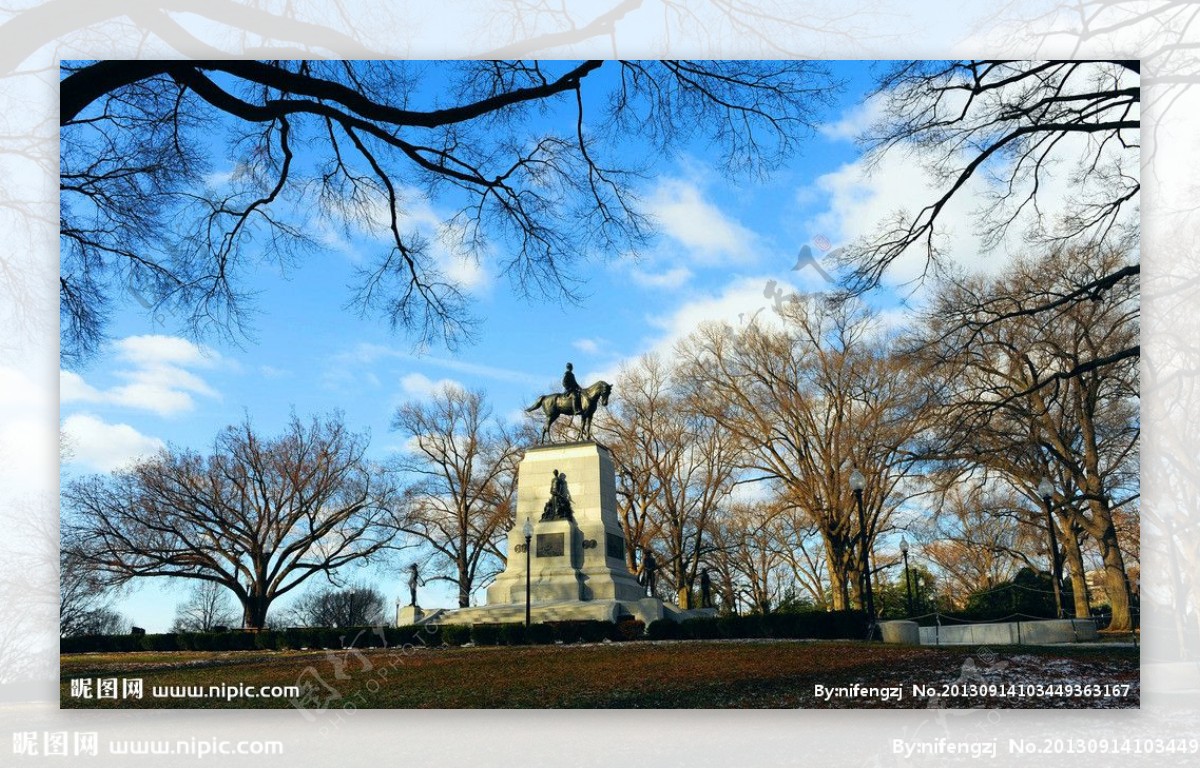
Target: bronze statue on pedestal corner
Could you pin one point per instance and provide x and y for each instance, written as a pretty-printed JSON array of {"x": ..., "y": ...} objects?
[
  {"x": 413, "y": 581},
  {"x": 648, "y": 572},
  {"x": 558, "y": 508}
]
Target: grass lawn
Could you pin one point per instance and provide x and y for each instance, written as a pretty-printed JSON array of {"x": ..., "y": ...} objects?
[{"x": 662, "y": 674}]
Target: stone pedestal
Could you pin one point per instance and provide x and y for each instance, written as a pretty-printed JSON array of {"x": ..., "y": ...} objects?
[
  {"x": 581, "y": 559},
  {"x": 408, "y": 615}
]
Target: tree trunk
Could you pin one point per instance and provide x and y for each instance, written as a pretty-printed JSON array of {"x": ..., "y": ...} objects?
[
  {"x": 1116, "y": 584},
  {"x": 1073, "y": 559},
  {"x": 837, "y": 581},
  {"x": 254, "y": 611},
  {"x": 464, "y": 586}
]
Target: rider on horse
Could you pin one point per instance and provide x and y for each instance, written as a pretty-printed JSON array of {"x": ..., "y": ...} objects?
[
  {"x": 577, "y": 400},
  {"x": 571, "y": 387}
]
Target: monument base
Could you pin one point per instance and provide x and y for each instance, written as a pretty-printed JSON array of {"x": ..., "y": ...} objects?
[
  {"x": 645, "y": 609},
  {"x": 409, "y": 615},
  {"x": 581, "y": 558},
  {"x": 575, "y": 566}
]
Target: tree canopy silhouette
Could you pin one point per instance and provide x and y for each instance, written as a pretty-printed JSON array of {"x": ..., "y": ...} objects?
[{"x": 534, "y": 163}]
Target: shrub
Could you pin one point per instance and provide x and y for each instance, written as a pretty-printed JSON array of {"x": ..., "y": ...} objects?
[
  {"x": 663, "y": 629},
  {"x": 485, "y": 634},
  {"x": 567, "y": 632},
  {"x": 846, "y": 623},
  {"x": 540, "y": 634},
  {"x": 236, "y": 640},
  {"x": 512, "y": 634},
  {"x": 628, "y": 630},
  {"x": 414, "y": 635},
  {"x": 1029, "y": 593},
  {"x": 594, "y": 631},
  {"x": 737, "y": 626},
  {"x": 428, "y": 635},
  {"x": 456, "y": 635},
  {"x": 293, "y": 638},
  {"x": 700, "y": 628},
  {"x": 99, "y": 643},
  {"x": 585, "y": 630},
  {"x": 160, "y": 642}
]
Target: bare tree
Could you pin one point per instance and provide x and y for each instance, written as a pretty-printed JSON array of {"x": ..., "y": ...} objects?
[
  {"x": 797, "y": 539},
  {"x": 460, "y": 498},
  {"x": 206, "y": 609},
  {"x": 747, "y": 538},
  {"x": 1008, "y": 127},
  {"x": 685, "y": 464},
  {"x": 258, "y": 516},
  {"x": 810, "y": 400},
  {"x": 1082, "y": 431},
  {"x": 358, "y": 605},
  {"x": 516, "y": 149},
  {"x": 978, "y": 538}
]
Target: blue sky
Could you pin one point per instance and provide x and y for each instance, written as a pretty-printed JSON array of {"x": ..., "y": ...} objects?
[{"x": 720, "y": 244}]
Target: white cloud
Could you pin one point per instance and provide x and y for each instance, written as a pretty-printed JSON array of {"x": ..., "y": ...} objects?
[
  {"x": 863, "y": 197},
  {"x": 73, "y": 389},
  {"x": 588, "y": 346},
  {"x": 673, "y": 278},
  {"x": 418, "y": 385},
  {"x": 153, "y": 349},
  {"x": 710, "y": 237},
  {"x": 446, "y": 239},
  {"x": 517, "y": 417},
  {"x": 737, "y": 303},
  {"x": 156, "y": 377},
  {"x": 101, "y": 446},
  {"x": 854, "y": 122}
]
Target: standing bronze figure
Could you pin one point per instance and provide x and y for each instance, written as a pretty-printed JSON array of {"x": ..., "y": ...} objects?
[
  {"x": 648, "y": 573},
  {"x": 705, "y": 590},
  {"x": 413, "y": 581},
  {"x": 559, "y": 506},
  {"x": 555, "y": 405}
]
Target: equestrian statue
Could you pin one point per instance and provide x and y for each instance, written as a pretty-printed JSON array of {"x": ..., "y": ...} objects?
[{"x": 574, "y": 400}]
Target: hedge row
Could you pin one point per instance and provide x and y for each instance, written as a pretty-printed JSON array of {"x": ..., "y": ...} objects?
[
  {"x": 344, "y": 638},
  {"x": 239, "y": 640},
  {"x": 813, "y": 624},
  {"x": 844, "y": 624}
]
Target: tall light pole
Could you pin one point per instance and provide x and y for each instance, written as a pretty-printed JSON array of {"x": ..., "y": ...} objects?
[
  {"x": 527, "y": 530},
  {"x": 1045, "y": 490},
  {"x": 858, "y": 482},
  {"x": 907, "y": 582}
]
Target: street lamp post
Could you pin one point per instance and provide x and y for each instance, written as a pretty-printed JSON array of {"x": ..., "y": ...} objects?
[
  {"x": 857, "y": 483},
  {"x": 1045, "y": 490},
  {"x": 527, "y": 530},
  {"x": 907, "y": 582}
]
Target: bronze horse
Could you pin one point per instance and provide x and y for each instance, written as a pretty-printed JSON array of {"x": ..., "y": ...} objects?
[{"x": 555, "y": 405}]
